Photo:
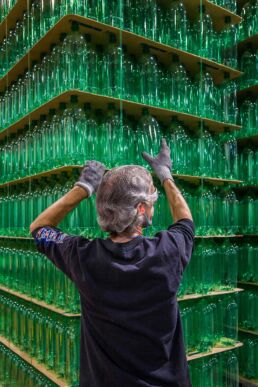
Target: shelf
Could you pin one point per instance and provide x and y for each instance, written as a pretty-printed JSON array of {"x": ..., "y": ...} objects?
[
  {"x": 42, "y": 304},
  {"x": 209, "y": 294},
  {"x": 253, "y": 89},
  {"x": 243, "y": 283},
  {"x": 218, "y": 236},
  {"x": 130, "y": 107},
  {"x": 217, "y": 12},
  {"x": 99, "y": 32},
  {"x": 251, "y": 39},
  {"x": 39, "y": 366},
  {"x": 68, "y": 168},
  {"x": 55, "y": 309},
  {"x": 244, "y": 382},
  {"x": 196, "y": 237},
  {"x": 247, "y": 140},
  {"x": 10, "y": 20},
  {"x": 247, "y": 187},
  {"x": 248, "y": 331},
  {"x": 214, "y": 351}
]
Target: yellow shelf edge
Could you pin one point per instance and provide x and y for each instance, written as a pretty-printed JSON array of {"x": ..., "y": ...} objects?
[
  {"x": 35, "y": 301},
  {"x": 32, "y": 361}
]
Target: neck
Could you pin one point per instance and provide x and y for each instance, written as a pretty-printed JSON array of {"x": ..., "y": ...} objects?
[{"x": 125, "y": 237}]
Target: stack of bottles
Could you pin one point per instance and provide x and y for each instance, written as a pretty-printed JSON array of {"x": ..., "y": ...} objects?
[
  {"x": 25, "y": 270},
  {"x": 213, "y": 267},
  {"x": 229, "y": 4},
  {"x": 51, "y": 339},
  {"x": 248, "y": 116},
  {"x": 169, "y": 25},
  {"x": 248, "y": 310},
  {"x": 248, "y": 165},
  {"x": 248, "y": 365},
  {"x": 216, "y": 211},
  {"x": 248, "y": 64},
  {"x": 249, "y": 25},
  {"x": 248, "y": 262},
  {"x": 219, "y": 370},
  {"x": 76, "y": 132},
  {"x": 16, "y": 372},
  {"x": 209, "y": 322},
  {"x": 248, "y": 207},
  {"x": 5, "y": 7},
  {"x": 77, "y": 64}
]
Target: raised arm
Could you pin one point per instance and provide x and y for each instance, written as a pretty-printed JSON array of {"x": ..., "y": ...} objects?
[
  {"x": 87, "y": 184},
  {"x": 162, "y": 166}
]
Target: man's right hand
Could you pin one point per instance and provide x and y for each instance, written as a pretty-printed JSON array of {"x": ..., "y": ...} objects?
[{"x": 162, "y": 163}]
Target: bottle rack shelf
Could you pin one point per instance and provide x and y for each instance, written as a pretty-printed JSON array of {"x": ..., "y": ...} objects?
[
  {"x": 251, "y": 39},
  {"x": 130, "y": 107},
  {"x": 253, "y": 89},
  {"x": 214, "y": 351},
  {"x": 248, "y": 331},
  {"x": 248, "y": 139},
  {"x": 68, "y": 314},
  {"x": 134, "y": 42},
  {"x": 15, "y": 13},
  {"x": 42, "y": 304},
  {"x": 68, "y": 168},
  {"x": 243, "y": 283},
  {"x": 244, "y": 382},
  {"x": 40, "y": 367}
]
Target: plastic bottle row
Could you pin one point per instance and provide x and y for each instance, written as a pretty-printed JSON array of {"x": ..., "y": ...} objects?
[
  {"x": 213, "y": 267},
  {"x": 77, "y": 64},
  {"x": 248, "y": 309},
  {"x": 248, "y": 165},
  {"x": 45, "y": 336},
  {"x": 229, "y": 4},
  {"x": 249, "y": 25},
  {"x": 24, "y": 270},
  {"x": 248, "y": 365},
  {"x": 14, "y": 371},
  {"x": 248, "y": 116},
  {"x": 219, "y": 370},
  {"x": 248, "y": 64},
  {"x": 5, "y": 7},
  {"x": 76, "y": 132},
  {"x": 169, "y": 25},
  {"x": 248, "y": 262},
  {"x": 211, "y": 322},
  {"x": 215, "y": 211}
]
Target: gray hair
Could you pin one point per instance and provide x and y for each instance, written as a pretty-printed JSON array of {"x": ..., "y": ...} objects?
[{"x": 121, "y": 190}]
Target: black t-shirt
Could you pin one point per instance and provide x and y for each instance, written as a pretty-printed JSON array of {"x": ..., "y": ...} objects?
[{"x": 131, "y": 333}]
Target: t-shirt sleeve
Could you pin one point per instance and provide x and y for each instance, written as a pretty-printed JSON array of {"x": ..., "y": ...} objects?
[
  {"x": 61, "y": 249},
  {"x": 179, "y": 235}
]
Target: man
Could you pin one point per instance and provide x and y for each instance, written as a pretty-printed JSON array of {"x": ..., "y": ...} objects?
[{"x": 131, "y": 332}]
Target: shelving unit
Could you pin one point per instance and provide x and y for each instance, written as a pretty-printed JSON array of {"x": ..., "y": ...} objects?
[
  {"x": 39, "y": 366},
  {"x": 130, "y": 107},
  {"x": 99, "y": 32},
  {"x": 251, "y": 140}
]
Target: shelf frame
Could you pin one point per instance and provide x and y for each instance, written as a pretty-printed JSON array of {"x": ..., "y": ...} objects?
[
  {"x": 32, "y": 361},
  {"x": 37, "y": 302},
  {"x": 214, "y": 351},
  {"x": 134, "y": 42},
  {"x": 248, "y": 331},
  {"x": 131, "y": 107},
  {"x": 68, "y": 168}
]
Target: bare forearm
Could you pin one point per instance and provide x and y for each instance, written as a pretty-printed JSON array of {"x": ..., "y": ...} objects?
[
  {"x": 54, "y": 214},
  {"x": 178, "y": 206}
]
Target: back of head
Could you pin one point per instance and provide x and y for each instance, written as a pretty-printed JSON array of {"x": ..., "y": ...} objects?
[{"x": 118, "y": 195}]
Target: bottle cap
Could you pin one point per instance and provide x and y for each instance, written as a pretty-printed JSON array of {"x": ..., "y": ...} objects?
[
  {"x": 62, "y": 36},
  {"x": 87, "y": 106},
  {"x": 175, "y": 58},
  {"x": 62, "y": 105},
  {"x": 226, "y": 75},
  {"x": 145, "y": 111}
]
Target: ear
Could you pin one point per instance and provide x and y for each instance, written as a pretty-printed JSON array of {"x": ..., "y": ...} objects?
[{"x": 141, "y": 208}]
